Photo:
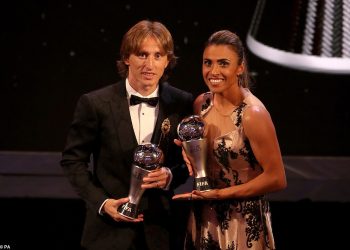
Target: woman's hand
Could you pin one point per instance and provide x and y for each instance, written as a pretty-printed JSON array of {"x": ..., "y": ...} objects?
[
  {"x": 213, "y": 194},
  {"x": 184, "y": 156}
]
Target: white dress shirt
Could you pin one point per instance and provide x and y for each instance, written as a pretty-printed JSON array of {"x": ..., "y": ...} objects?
[{"x": 142, "y": 115}]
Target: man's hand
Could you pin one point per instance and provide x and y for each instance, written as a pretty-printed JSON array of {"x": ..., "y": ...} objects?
[
  {"x": 158, "y": 178},
  {"x": 111, "y": 206}
]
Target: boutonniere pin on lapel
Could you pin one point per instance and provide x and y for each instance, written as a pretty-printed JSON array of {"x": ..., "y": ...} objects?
[{"x": 165, "y": 129}]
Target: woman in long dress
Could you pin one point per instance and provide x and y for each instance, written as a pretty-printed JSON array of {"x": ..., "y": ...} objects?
[{"x": 244, "y": 159}]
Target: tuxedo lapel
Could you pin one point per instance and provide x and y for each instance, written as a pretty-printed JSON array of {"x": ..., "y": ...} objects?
[
  {"x": 164, "y": 99},
  {"x": 164, "y": 108},
  {"x": 157, "y": 128},
  {"x": 122, "y": 119}
]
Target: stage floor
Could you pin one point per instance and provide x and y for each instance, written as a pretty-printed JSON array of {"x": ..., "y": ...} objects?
[{"x": 39, "y": 209}]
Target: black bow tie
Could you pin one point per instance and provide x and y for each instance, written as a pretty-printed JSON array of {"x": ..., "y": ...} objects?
[{"x": 134, "y": 100}]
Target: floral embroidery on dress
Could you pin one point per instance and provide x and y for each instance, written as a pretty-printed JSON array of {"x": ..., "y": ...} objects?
[
  {"x": 222, "y": 153},
  {"x": 207, "y": 102},
  {"x": 235, "y": 176},
  {"x": 254, "y": 228},
  {"x": 223, "y": 211},
  {"x": 231, "y": 246},
  {"x": 250, "y": 209},
  {"x": 208, "y": 243},
  {"x": 223, "y": 179},
  {"x": 248, "y": 154},
  {"x": 239, "y": 114}
]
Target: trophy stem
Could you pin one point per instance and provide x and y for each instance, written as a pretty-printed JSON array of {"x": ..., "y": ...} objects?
[
  {"x": 130, "y": 209},
  {"x": 196, "y": 151}
]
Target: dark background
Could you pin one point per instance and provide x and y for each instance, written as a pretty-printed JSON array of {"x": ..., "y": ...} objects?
[{"x": 54, "y": 51}]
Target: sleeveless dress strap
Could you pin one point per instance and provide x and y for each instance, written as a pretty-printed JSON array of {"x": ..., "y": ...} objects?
[{"x": 207, "y": 103}]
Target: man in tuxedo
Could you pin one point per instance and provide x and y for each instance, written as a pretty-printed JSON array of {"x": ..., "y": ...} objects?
[{"x": 108, "y": 125}]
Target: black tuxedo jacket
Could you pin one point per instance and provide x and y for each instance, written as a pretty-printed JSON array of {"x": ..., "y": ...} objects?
[{"x": 102, "y": 131}]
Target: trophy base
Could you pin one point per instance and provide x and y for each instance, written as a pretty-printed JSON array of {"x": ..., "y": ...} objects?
[
  {"x": 202, "y": 184},
  {"x": 128, "y": 210}
]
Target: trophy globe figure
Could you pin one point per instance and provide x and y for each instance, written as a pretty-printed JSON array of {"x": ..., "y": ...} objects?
[
  {"x": 191, "y": 131},
  {"x": 147, "y": 157}
]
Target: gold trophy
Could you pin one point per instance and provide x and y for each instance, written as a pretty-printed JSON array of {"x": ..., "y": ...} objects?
[
  {"x": 191, "y": 132},
  {"x": 147, "y": 157}
]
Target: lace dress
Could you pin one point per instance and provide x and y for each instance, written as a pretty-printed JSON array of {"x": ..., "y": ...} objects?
[{"x": 234, "y": 224}]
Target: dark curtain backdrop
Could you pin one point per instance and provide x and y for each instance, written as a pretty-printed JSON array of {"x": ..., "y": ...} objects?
[{"x": 54, "y": 51}]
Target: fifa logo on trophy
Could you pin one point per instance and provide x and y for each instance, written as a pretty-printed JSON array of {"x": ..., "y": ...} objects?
[
  {"x": 147, "y": 157},
  {"x": 191, "y": 132}
]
